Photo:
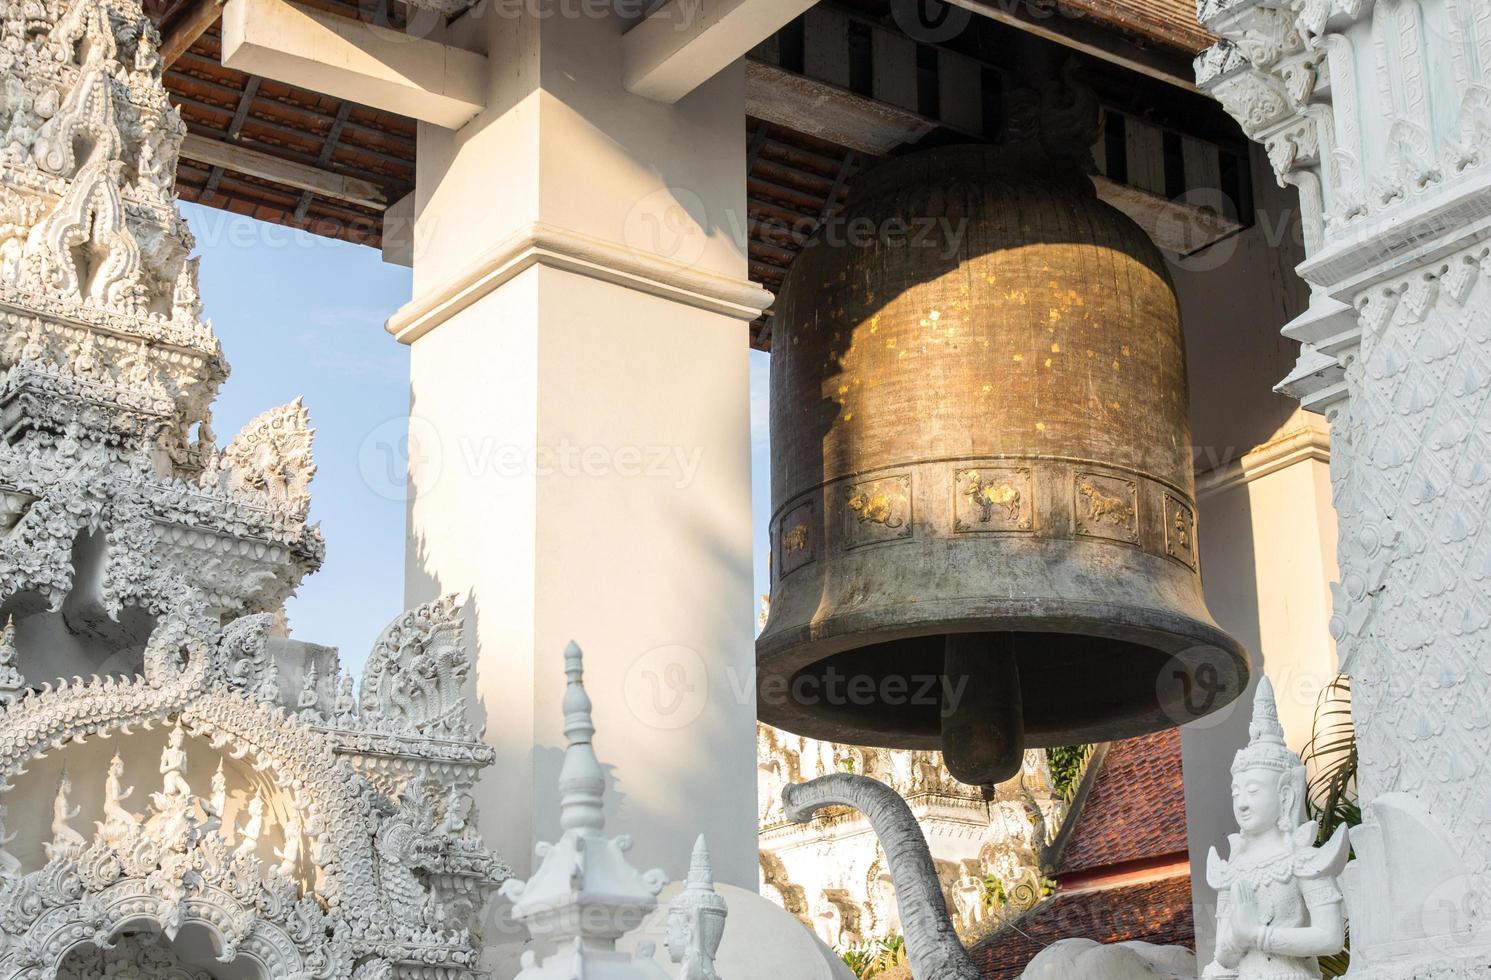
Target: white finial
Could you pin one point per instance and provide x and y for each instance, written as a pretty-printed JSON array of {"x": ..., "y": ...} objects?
[
  {"x": 696, "y": 920},
  {"x": 582, "y": 781},
  {"x": 701, "y": 874},
  {"x": 1266, "y": 748},
  {"x": 585, "y": 894}
]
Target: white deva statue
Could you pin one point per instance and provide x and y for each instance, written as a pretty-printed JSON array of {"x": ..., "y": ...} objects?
[
  {"x": 289, "y": 855},
  {"x": 66, "y": 842},
  {"x": 173, "y": 765},
  {"x": 248, "y": 834},
  {"x": 1279, "y": 905},
  {"x": 118, "y": 821},
  {"x": 217, "y": 804}
]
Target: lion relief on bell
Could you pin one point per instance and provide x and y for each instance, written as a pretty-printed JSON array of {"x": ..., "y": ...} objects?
[
  {"x": 878, "y": 507},
  {"x": 877, "y": 510},
  {"x": 1107, "y": 507}
]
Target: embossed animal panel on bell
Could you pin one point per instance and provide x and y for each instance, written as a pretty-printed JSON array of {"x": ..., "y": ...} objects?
[{"x": 984, "y": 519}]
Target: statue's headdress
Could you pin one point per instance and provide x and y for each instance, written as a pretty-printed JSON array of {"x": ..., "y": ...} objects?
[
  {"x": 699, "y": 894},
  {"x": 1266, "y": 748}
]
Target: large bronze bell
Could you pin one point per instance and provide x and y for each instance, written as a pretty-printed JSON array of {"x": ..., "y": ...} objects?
[{"x": 984, "y": 519}]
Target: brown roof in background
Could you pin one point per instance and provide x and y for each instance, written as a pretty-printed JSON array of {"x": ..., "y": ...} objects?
[
  {"x": 1154, "y": 911},
  {"x": 1169, "y": 22},
  {"x": 1137, "y": 808}
]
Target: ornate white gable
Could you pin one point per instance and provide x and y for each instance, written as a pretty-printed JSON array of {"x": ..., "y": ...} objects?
[{"x": 283, "y": 824}]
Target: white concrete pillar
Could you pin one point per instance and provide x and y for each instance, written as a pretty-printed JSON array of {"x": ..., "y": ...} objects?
[
  {"x": 580, "y": 435},
  {"x": 1378, "y": 113}
]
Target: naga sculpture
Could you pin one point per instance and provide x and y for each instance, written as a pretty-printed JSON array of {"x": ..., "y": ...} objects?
[{"x": 932, "y": 944}]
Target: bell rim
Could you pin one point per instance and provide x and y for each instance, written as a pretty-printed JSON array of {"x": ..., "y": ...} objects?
[{"x": 782, "y": 652}]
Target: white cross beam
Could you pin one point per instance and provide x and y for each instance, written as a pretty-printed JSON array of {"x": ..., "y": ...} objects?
[
  {"x": 685, "y": 43},
  {"x": 352, "y": 60}
]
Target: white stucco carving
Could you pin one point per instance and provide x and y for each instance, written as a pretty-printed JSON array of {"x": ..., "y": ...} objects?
[
  {"x": 1377, "y": 111},
  {"x": 141, "y": 567},
  {"x": 137, "y": 956},
  {"x": 1279, "y": 905},
  {"x": 110, "y": 371},
  {"x": 696, "y": 920}
]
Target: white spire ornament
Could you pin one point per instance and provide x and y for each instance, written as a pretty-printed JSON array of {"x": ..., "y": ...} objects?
[
  {"x": 696, "y": 920},
  {"x": 585, "y": 895}
]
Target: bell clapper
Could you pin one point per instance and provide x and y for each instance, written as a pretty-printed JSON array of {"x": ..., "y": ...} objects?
[{"x": 983, "y": 721}]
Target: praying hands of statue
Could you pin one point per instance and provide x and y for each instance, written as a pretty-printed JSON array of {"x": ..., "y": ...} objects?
[
  {"x": 1249, "y": 928},
  {"x": 1246, "y": 924}
]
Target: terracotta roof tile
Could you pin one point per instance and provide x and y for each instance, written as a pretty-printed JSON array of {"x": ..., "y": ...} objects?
[
  {"x": 1135, "y": 812},
  {"x": 1153, "y": 911},
  {"x": 1137, "y": 809}
]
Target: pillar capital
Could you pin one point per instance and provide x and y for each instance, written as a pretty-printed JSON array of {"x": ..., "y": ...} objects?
[{"x": 570, "y": 251}]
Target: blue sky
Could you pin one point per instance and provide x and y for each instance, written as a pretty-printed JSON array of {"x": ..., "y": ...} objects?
[{"x": 300, "y": 315}]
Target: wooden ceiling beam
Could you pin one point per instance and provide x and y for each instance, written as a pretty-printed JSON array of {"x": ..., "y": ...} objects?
[
  {"x": 195, "y": 21},
  {"x": 281, "y": 171},
  {"x": 238, "y": 187},
  {"x": 323, "y": 159},
  {"x": 198, "y": 63},
  {"x": 1091, "y": 39},
  {"x": 286, "y": 132},
  {"x": 282, "y": 130}
]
